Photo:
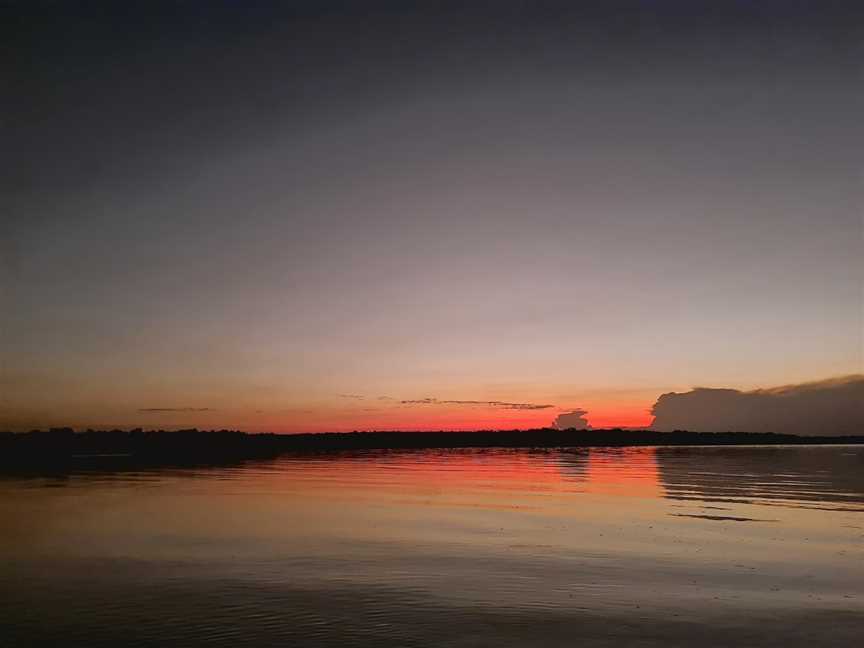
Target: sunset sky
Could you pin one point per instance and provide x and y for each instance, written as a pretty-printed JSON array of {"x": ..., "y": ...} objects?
[{"x": 306, "y": 219}]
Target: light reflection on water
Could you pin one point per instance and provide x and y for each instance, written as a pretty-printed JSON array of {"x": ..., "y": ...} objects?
[{"x": 640, "y": 546}]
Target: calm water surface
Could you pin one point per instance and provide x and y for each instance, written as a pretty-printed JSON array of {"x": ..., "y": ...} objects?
[{"x": 736, "y": 546}]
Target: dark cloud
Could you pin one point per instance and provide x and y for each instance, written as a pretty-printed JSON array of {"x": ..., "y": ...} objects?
[
  {"x": 572, "y": 420},
  {"x": 175, "y": 409},
  {"x": 825, "y": 408},
  {"x": 498, "y": 404}
]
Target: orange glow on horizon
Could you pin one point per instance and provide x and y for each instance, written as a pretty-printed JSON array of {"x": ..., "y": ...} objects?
[
  {"x": 330, "y": 414},
  {"x": 635, "y": 416},
  {"x": 427, "y": 419}
]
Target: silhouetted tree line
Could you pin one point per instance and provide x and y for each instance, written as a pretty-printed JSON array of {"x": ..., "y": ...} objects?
[{"x": 66, "y": 447}]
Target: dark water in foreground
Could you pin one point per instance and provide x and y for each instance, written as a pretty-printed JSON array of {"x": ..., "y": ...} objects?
[{"x": 719, "y": 546}]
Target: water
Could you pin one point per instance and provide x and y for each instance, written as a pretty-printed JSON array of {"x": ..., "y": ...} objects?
[{"x": 721, "y": 546}]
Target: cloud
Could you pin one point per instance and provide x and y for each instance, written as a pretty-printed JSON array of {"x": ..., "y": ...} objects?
[
  {"x": 351, "y": 396},
  {"x": 156, "y": 410},
  {"x": 572, "y": 420},
  {"x": 498, "y": 404},
  {"x": 824, "y": 408}
]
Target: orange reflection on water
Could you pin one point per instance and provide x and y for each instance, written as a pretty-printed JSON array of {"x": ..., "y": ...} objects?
[
  {"x": 427, "y": 470},
  {"x": 631, "y": 472}
]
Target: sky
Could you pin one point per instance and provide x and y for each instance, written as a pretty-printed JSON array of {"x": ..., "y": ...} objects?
[{"x": 313, "y": 216}]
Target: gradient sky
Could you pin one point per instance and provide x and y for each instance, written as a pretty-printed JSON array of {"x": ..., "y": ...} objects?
[{"x": 302, "y": 218}]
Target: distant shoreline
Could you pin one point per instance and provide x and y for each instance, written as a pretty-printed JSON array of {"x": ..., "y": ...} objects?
[{"x": 64, "y": 448}]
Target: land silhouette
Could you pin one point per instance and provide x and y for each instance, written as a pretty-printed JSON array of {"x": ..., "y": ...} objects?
[{"x": 60, "y": 448}]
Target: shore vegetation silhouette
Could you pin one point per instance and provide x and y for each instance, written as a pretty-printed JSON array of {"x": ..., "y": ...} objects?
[{"x": 64, "y": 447}]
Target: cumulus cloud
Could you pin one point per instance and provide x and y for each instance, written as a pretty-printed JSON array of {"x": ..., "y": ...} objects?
[
  {"x": 498, "y": 404},
  {"x": 824, "y": 408},
  {"x": 175, "y": 409},
  {"x": 572, "y": 420}
]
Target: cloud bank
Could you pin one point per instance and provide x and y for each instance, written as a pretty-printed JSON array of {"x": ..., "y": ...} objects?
[
  {"x": 824, "y": 408},
  {"x": 572, "y": 420}
]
